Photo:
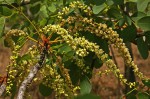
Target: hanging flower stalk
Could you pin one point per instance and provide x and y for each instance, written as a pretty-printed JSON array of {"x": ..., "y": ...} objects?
[{"x": 88, "y": 46}]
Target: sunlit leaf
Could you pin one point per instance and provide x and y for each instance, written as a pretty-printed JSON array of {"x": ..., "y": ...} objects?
[
  {"x": 138, "y": 15},
  {"x": 43, "y": 11},
  {"x": 98, "y": 8},
  {"x": 85, "y": 85},
  {"x": 68, "y": 55},
  {"x": 64, "y": 49},
  {"x": 144, "y": 23},
  {"x": 52, "y": 8},
  {"x": 109, "y": 2},
  {"x": 5, "y": 11},
  {"x": 142, "y": 4}
]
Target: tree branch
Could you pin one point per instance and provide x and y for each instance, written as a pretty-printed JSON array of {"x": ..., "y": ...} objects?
[
  {"x": 32, "y": 73},
  {"x": 27, "y": 81},
  {"x": 2, "y": 88}
]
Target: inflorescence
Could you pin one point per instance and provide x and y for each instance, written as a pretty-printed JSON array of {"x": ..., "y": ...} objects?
[{"x": 68, "y": 29}]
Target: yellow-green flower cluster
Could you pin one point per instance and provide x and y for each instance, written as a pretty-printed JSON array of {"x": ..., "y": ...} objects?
[
  {"x": 104, "y": 32},
  {"x": 100, "y": 73},
  {"x": 75, "y": 5},
  {"x": 68, "y": 83},
  {"x": 17, "y": 70},
  {"x": 12, "y": 68},
  {"x": 13, "y": 32},
  {"x": 80, "y": 63},
  {"x": 81, "y": 41},
  {"x": 60, "y": 82},
  {"x": 54, "y": 80},
  {"x": 82, "y": 52}
]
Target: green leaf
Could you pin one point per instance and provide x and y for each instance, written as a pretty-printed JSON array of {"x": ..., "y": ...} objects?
[
  {"x": 138, "y": 15},
  {"x": 35, "y": 8},
  {"x": 109, "y": 2},
  {"x": 45, "y": 90},
  {"x": 142, "y": 47},
  {"x": 5, "y": 11},
  {"x": 103, "y": 44},
  {"x": 146, "y": 82},
  {"x": 65, "y": 48},
  {"x": 87, "y": 96},
  {"x": 10, "y": 1},
  {"x": 128, "y": 20},
  {"x": 98, "y": 8},
  {"x": 24, "y": 57},
  {"x": 93, "y": 38},
  {"x": 43, "y": 11},
  {"x": 68, "y": 55},
  {"x": 98, "y": 2},
  {"x": 43, "y": 22},
  {"x": 34, "y": 1},
  {"x": 144, "y": 23},
  {"x": 74, "y": 72},
  {"x": 143, "y": 95},
  {"x": 52, "y": 8},
  {"x": 94, "y": 2},
  {"x": 98, "y": 63},
  {"x": 131, "y": 96},
  {"x": 2, "y": 26},
  {"x": 118, "y": 2},
  {"x": 121, "y": 22},
  {"x": 147, "y": 35},
  {"x": 17, "y": 1},
  {"x": 128, "y": 34},
  {"x": 14, "y": 90},
  {"x": 142, "y": 5},
  {"x": 89, "y": 59},
  {"x": 85, "y": 85},
  {"x": 115, "y": 13},
  {"x": 131, "y": 1}
]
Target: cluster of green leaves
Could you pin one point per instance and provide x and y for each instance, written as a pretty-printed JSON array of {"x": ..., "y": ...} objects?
[{"x": 134, "y": 14}]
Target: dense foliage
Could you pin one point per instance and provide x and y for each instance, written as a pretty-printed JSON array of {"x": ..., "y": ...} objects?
[{"x": 67, "y": 39}]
